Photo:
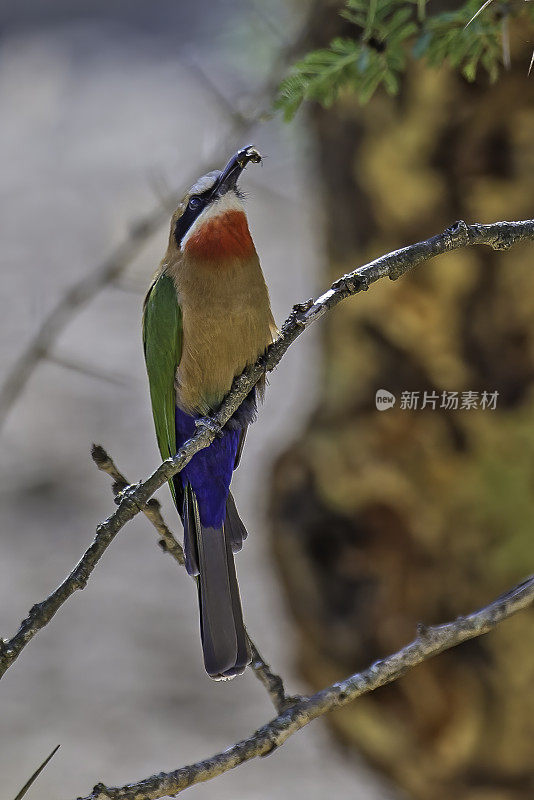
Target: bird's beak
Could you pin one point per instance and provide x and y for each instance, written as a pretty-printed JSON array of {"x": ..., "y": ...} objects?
[{"x": 234, "y": 168}]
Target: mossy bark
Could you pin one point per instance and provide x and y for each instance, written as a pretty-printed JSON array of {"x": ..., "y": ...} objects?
[{"x": 381, "y": 519}]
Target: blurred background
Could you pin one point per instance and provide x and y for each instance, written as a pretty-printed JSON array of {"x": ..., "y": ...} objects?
[{"x": 363, "y": 523}]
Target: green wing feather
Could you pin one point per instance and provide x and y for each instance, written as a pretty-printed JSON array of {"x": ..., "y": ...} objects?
[{"x": 162, "y": 341}]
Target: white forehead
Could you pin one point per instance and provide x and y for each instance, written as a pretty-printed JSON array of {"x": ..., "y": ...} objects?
[{"x": 205, "y": 182}]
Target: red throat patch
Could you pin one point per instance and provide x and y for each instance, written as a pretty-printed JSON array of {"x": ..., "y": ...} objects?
[{"x": 222, "y": 237}]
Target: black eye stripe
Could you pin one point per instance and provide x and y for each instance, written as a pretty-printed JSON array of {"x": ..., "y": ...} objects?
[
  {"x": 187, "y": 218},
  {"x": 206, "y": 193}
]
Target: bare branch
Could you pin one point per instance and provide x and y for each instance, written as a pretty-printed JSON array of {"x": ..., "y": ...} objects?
[
  {"x": 133, "y": 499},
  {"x": 168, "y": 543},
  {"x": 429, "y": 642},
  {"x": 82, "y": 292},
  {"x": 40, "y": 346},
  {"x": 88, "y": 370},
  {"x": 72, "y": 301},
  {"x": 272, "y": 682},
  {"x": 194, "y": 66},
  {"x": 151, "y": 510}
]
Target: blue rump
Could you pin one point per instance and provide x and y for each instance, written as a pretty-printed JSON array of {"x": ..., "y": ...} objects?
[{"x": 210, "y": 470}]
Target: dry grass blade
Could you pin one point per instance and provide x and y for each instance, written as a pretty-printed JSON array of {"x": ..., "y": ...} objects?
[{"x": 36, "y": 774}]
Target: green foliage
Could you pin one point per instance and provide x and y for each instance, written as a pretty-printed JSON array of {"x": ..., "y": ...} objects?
[
  {"x": 387, "y": 34},
  {"x": 448, "y": 38}
]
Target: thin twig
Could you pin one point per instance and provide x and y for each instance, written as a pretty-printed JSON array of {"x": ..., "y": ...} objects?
[
  {"x": 151, "y": 510},
  {"x": 194, "y": 66},
  {"x": 70, "y": 303},
  {"x": 168, "y": 543},
  {"x": 272, "y": 682},
  {"x": 88, "y": 370},
  {"x": 498, "y": 235},
  {"x": 429, "y": 642},
  {"x": 84, "y": 290}
]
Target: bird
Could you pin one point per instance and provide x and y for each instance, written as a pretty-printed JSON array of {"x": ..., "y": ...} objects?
[{"x": 206, "y": 316}]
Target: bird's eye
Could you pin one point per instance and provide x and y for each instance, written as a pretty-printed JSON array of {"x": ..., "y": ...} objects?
[{"x": 195, "y": 203}]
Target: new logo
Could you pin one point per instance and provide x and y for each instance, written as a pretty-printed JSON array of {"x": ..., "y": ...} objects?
[{"x": 384, "y": 399}]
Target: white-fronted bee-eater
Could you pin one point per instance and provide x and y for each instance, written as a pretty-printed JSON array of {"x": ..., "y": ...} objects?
[{"x": 207, "y": 316}]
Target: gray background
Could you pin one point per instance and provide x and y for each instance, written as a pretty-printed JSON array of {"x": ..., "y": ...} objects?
[{"x": 100, "y": 108}]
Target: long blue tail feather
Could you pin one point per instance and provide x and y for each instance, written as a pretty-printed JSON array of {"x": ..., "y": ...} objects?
[{"x": 213, "y": 531}]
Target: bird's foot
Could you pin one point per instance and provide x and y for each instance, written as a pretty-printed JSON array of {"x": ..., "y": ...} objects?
[
  {"x": 209, "y": 424},
  {"x": 126, "y": 497}
]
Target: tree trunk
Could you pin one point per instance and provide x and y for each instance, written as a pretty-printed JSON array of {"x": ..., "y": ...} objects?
[{"x": 382, "y": 519}]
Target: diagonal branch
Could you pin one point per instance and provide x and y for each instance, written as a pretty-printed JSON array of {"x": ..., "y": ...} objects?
[
  {"x": 107, "y": 274},
  {"x": 272, "y": 682},
  {"x": 168, "y": 543},
  {"x": 429, "y": 642},
  {"x": 70, "y": 303},
  {"x": 151, "y": 510},
  {"x": 498, "y": 235}
]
